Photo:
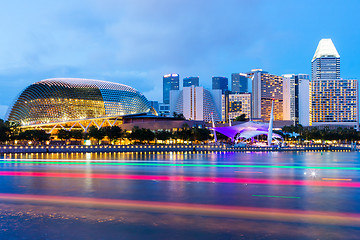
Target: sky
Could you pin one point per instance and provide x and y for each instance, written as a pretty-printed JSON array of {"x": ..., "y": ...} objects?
[{"x": 136, "y": 42}]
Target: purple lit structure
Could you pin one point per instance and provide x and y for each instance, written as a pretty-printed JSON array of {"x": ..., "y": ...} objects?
[{"x": 246, "y": 130}]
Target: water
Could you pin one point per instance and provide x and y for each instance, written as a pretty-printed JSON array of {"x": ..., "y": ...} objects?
[{"x": 303, "y": 195}]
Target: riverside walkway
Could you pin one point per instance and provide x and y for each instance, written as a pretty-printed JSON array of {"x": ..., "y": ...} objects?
[{"x": 167, "y": 148}]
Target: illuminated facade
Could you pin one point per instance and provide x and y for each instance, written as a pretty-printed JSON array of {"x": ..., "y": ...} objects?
[
  {"x": 236, "y": 104},
  {"x": 265, "y": 89},
  {"x": 335, "y": 101},
  {"x": 69, "y": 99}
]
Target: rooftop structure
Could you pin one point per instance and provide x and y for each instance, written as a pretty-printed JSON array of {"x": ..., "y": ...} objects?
[
  {"x": 325, "y": 48},
  {"x": 326, "y": 61}
]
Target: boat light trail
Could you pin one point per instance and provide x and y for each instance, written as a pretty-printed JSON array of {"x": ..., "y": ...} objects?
[
  {"x": 273, "y": 214},
  {"x": 174, "y": 164},
  {"x": 196, "y": 179},
  {"x": 270, "y": 196},
  {"x": 337, "y": 179}
]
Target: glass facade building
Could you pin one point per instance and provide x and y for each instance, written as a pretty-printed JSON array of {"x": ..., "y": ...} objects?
[
  {"x": 239, "y": 83},
  {"x": 220, "y": 83},
  {"x": 170, "y": 82},
  {"x": 190, "y": 81},
  {"x": 66, "y": 99}
]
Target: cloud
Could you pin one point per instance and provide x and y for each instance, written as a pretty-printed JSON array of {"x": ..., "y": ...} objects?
[
  {"x": 136, "y": 42},
  {"x": 3, "y": 111}
]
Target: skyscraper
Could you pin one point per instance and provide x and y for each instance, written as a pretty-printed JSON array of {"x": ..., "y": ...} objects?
[
  {"x": 197, "y": 103},
  {"x": 265, "y": 89},
  {"x": 189, "y": 81},
  {"x": 170, "y": 82},
  {"x": 334, "y": 101},
  {"x": 296, "y": 98},
  {"x": 326, "y": 61},
  {"x": 239, "y": 83},
  {"x": 220, "y": 83}
]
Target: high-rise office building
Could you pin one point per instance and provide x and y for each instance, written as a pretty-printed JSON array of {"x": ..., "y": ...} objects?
[
  {"x": 239, "y": 83},
  {"x": 334, "y": 101},
  {"x": 265, "y": 89},
  {"x": 220, "y": 83},
  {"x": 190, "y": 81},
  {"x": 326, "y": 61},
  {"x": 236, "y": 104},
  {"x": 196, "y": 103},
  {"x": 296, "y": 98},
  {"x": 170, "y": 82}
]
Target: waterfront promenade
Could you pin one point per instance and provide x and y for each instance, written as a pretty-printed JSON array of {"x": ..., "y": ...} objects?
[{"x": 167, "y": 148}]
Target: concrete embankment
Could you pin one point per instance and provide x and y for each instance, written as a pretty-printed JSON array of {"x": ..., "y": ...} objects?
[{"x": 163, "y": 148}]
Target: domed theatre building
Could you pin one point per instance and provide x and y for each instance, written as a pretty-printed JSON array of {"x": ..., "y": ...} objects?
[{"x": 76, "y": 103}]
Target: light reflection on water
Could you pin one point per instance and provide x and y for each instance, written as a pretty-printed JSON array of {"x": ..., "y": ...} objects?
[{"x": 180, "y": 208}]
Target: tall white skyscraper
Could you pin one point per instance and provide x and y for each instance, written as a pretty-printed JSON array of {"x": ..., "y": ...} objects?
[{"x": 296, "y": 98}]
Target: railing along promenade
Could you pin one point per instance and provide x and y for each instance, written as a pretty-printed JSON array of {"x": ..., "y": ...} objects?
[{"x": 167, "y": 148}]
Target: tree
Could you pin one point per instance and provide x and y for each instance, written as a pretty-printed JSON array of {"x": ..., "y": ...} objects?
[
  {"x": 96, "y": 133},
  {"x": 241, "y": 118},
  {"x": 113, "y": 133},
  {"x": 163, "y": 135},
  {"x": 141, "y": 134},
  {"x": 5, "y": 131},
  {"x": 178, "y": 115},
  {"x": 34, "y": 135},
  {"x": 185, "y": 133},
  {"x": 201, "y": 134},
  {"x": 77, "y": 134},
  {"x": 64, "y": 134}
]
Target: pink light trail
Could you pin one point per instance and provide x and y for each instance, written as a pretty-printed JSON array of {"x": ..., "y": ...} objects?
[
  {"x": 186, "y": 179},
  {"x": 319, "y": 217}
]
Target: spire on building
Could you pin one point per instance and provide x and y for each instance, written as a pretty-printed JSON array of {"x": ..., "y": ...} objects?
[{"x": 326, "y": 48}]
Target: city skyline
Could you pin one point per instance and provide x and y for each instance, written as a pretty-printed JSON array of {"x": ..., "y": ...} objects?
[{"x": 136, "y": 43}]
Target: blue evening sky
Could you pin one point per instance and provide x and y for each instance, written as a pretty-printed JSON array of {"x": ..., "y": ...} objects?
[{"x": 136, "y": 42}]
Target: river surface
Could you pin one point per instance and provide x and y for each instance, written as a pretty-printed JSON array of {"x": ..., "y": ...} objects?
[{"x": 276, "y": 195}]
